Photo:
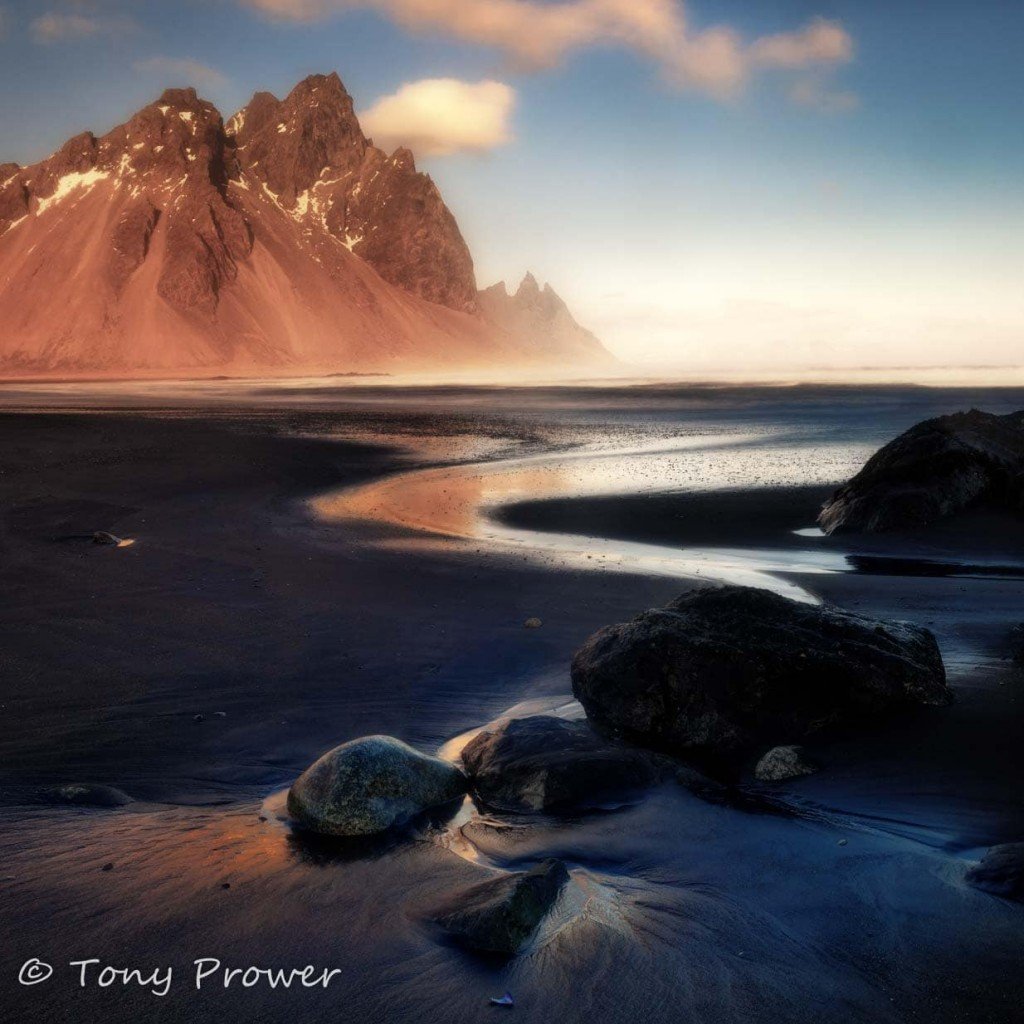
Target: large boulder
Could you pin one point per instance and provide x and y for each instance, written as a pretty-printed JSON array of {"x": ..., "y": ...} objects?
[
  {"x": 720, "y": 671},
  {"x": 543, "y": 763},
  {"x": 934, "y": 469},
  {"x": 370, "y": 785},
  {"x": 502, "y": 914},
  {"x": 1001, "y": 871}
]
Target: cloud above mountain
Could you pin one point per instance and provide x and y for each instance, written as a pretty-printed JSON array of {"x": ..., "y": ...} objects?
[
  {"x": 442, "y": 116},
  {"x": 536, "y": 35},
  {"x": 79, "y": 23}
]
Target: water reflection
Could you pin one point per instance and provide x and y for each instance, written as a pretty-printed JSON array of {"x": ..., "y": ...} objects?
[{"x": 461, "y": 501}]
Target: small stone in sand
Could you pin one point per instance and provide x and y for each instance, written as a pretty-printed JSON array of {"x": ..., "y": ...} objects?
[
  {"x": 782, "y": 763},
  {"x": 197, "y": 718},
  {"x": 501, "y": 914},
  {"x": 102, "y": 537},
  {"x": 533, "y": 623},
  {"x": 108, "y": 867}
]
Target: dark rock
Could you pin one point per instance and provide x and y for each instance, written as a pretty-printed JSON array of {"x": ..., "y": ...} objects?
[
  {"x": 130, "y": 240},
  {"x": 544, "y": 763},
  {"x": 936, "y": 468},
  {"x": 75, "y": 794},
  {"x": 1001, "y": 871},
  {"x": 108, "y": 539},
  {"x": 370, "y": 785},
  {"x": 501, "y": 914},
  {"x": 1017, "y": 643},
  {"x": 781, "y": 763},
  {"x": 721, "y": 670}
]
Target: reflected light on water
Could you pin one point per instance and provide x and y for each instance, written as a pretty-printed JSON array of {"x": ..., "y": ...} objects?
[{"x": 459, "y": 502}]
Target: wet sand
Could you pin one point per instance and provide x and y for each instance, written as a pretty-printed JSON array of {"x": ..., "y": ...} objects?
[{"x": 289, "y": 633}]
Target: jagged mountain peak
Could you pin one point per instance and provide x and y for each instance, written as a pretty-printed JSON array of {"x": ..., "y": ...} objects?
[
  {"x": 528, "y": 287},
  {"x": 282, "y": 237}
]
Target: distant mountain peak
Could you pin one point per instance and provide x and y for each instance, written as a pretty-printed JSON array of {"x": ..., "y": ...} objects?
[{"x": 539, "y": 318}]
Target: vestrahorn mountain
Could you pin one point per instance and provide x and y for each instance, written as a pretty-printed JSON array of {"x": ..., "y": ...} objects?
[{"x": 283, "y": 241}]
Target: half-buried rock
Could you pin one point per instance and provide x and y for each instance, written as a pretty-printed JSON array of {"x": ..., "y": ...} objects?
[
  {"x": 1001, "y": 872},
  {"x": 783, "y": 763},
  {"x": 77, "y": 794},
  {"x": 544, "y": 763},
  {"x": 502, "y": 914},
  {"x": 370, "y": 785},
  {"x": 722, "y": 671}
]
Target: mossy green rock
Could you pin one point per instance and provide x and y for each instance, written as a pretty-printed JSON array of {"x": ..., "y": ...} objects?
[{"x": 370, "y": 785}]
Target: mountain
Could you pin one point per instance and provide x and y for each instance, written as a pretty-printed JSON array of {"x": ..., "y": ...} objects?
[
  {"x": 281, "y": 242},
  {"x": 540, "y": 320}
]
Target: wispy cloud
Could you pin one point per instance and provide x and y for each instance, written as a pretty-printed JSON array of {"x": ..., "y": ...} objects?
[
  {"x": 809, "y": 92},
  {"x": 441, "y": 116},
  {"x": 183, "y": 69},
  {"x": 61, "y": 26},
  {"x": 537, "y": 34}
]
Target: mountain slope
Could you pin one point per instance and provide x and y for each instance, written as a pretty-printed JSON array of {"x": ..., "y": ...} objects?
[{"x": 281, "y": 243}]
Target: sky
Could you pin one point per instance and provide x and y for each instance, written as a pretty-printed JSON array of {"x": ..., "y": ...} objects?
[{"x": 716, "y": 186}]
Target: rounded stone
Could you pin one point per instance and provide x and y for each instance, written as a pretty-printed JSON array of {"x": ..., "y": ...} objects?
[{"x": 369, "y": 785}]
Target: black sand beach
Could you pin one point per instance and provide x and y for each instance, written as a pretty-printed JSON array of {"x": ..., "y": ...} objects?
[{"x": 241, "y": 634}]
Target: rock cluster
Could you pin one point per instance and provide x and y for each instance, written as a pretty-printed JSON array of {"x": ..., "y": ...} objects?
[
  {"x": 935, "y": 469},
  {"x": 718, "y": 673}
]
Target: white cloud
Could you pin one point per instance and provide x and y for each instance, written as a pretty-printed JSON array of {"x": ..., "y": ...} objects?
[
  {"x": 820, "y": 42},
  {"x": 56, "y": 26},
  {"x": 183, "y": 69},
  {"x": 441, "y": 116},
  {"x": 538, "y": 34}
]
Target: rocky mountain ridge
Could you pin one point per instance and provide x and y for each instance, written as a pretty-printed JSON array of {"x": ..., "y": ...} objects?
[{"x": 282, "y": 241}]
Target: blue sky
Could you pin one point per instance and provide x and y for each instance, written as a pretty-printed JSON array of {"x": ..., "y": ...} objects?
[{"x": 792, "y": 204}]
